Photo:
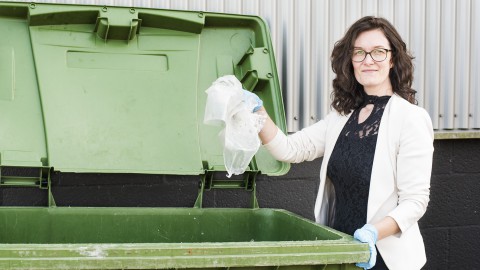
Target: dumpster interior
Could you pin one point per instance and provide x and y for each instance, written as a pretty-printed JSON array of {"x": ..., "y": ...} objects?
[{"x": 154, "y": 225}]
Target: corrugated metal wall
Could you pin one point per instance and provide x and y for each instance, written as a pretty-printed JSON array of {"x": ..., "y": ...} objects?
[{"x": 443, "y": 35}]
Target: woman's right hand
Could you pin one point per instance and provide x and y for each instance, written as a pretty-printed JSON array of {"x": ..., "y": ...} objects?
[
  {"x": 269, "y": 130},
  {"x": 250, "y": 95}
]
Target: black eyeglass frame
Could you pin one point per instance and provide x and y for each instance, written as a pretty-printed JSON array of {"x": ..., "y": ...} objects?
[{"x": 370, "y": 53}]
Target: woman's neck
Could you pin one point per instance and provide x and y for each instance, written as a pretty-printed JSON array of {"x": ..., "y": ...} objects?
[{"x": 387, "y": 91}]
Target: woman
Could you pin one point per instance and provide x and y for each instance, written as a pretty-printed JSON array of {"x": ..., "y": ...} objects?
[{"x": 377, "y": 147}]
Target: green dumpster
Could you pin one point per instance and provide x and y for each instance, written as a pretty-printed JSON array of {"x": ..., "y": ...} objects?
[{"x": 114, "y": 90}]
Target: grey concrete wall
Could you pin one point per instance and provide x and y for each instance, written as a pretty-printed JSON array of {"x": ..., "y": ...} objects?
[{"x": 451, "y": 226}]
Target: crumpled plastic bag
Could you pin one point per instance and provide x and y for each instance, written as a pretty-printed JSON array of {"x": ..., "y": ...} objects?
[{"x": 228, "y": 106}]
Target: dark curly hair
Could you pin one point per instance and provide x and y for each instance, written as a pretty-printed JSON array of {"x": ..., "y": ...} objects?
[{"x": 347, "y": 93}]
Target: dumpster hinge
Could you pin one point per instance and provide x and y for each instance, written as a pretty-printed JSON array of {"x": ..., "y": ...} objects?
[
  {"x": 18, "y": 176},
  {"x": 213, "y": 179}
]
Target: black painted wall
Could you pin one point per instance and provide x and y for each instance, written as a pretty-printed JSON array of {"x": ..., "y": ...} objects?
[{"x": 451, "y": 226}]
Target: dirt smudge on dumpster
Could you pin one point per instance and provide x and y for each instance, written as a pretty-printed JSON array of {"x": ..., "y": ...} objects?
[{"x": 93, "y": 251}]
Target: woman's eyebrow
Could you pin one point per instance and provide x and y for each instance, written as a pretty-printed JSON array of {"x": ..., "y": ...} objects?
[{"x": 375, "y": 47}]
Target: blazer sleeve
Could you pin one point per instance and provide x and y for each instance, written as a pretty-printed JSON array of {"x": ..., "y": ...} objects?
[
  {"x": 304, "y": 145},
  {"x": 414, "y": 167}
]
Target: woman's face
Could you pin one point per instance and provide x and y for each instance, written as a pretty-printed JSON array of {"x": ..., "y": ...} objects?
[{"x": 373, "y": 75}]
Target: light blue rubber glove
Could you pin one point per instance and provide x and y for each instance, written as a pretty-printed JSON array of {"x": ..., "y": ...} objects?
[
  {"x": 249, "y": 95},
  {"x": 368, "y": 234}
]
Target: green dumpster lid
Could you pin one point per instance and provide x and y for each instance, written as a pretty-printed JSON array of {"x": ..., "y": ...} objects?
[{"x": 117, "y": 89}]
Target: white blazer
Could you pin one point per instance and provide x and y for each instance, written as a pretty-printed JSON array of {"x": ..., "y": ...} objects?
[{"x": 400, "y": 181}]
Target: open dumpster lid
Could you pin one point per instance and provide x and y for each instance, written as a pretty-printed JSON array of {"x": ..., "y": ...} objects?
[{"x": 117, "y": 89}]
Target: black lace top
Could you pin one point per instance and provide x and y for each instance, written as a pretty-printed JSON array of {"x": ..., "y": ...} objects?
[
  {"x": 350, "y": 166},
  {"x": 350, "y": 169}
]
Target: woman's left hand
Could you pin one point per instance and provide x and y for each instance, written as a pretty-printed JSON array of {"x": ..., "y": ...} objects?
[{"x": 368, "y": 234}]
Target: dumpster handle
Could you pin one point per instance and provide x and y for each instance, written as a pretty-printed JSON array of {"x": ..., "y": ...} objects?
[{"x": 255, "y": 74}]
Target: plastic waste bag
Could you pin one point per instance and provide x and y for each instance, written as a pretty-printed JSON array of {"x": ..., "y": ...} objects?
[{"x": 227, "y": 106}]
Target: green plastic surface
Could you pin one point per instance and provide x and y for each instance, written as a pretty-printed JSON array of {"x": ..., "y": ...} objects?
[
  {"x": 162, "y": 238},
  {"x": 122, "y": 90}
]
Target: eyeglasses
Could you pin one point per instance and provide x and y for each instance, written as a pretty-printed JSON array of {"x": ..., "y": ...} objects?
[{"x": 378, "y": 55}]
